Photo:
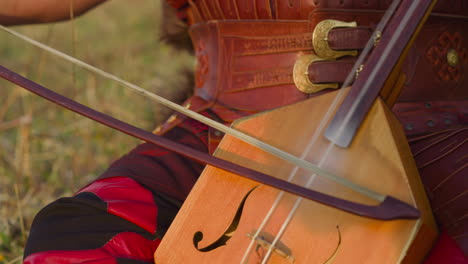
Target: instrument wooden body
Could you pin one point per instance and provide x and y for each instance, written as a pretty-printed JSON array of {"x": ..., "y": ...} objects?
[{"x": 379, "y": 159}]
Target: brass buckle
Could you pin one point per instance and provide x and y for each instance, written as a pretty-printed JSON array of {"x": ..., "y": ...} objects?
[
  {"x": 320, "y": 39},
  {"x": 301, "y": 75}
]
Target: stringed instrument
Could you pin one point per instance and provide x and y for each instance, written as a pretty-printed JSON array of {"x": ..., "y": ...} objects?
[
  {"x": 228, "y": 219},
  {"x": 361, "y": 194}
]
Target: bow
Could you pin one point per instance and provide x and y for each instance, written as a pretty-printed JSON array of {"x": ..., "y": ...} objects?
[{"x": 390, "y": 206}]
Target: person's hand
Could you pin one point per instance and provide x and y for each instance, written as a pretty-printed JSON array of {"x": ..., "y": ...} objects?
[{"x": 18, "y": 12}]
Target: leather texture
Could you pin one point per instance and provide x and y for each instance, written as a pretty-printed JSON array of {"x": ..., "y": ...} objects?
[
  {"x": 422, "y": 117},
  {"x": 239, "y": 61},
  {"x": 442, "y": 161},
  {"x": 204, "y": 10}
]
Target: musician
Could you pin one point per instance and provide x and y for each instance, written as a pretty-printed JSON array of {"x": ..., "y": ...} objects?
[{"x": 122, "y": 216}]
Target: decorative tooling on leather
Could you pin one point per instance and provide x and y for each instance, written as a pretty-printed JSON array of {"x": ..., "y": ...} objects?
[
  {"x": 448, "y": 56},
  {"x": 202, "y": 64}
]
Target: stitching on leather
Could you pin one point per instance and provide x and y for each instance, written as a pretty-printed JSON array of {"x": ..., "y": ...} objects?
[
  {"x": 236, "y": 8},
  {"x": 255, "y": 9},
  {"x": 274, "y": 8},
  {"x": 220, "y": 10},
  {"x": 419, "y": 138},
  {"x": 450, "y": 201},
  {"x": 456, "y": 221},
  {"x": 196, "y": 10},
  {"x": 439, "y": 140},
  {"x": 206, "y": 10},
  {"x": 441, "y": 156},
  {"x": 460, "y": 236},
  {"x": 461, "y": 159},
  {"x": 448, "y": 178}
]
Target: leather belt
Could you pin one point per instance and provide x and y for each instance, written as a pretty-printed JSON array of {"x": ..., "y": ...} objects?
[
  {"x": 246, "y": 66},
  {"x": 255, "y": 60},
  {"x": 430, "y": 116}
]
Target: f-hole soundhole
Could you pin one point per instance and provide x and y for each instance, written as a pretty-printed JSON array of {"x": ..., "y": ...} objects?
[{"x": 223, "y": 239}]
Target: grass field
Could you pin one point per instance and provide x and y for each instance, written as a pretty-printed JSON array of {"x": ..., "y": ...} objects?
[{"x": 47, "y": 152}]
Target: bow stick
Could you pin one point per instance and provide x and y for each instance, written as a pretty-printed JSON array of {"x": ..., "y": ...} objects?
[
  {"x": 390, "y": 208},
  {"x": 219, "y": 126}
]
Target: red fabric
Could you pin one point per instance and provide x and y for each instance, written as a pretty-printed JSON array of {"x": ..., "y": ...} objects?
[
  {"x": 177, "y": 3},
  {"x": 124, "y": 245},
  {"x": 446, "y": 251},
  {"x": 95, "y": 256},
  {"x": 133, "y": 246},
  {"x": 180, "y": 6},
  {"x": 127, "y": 199}
]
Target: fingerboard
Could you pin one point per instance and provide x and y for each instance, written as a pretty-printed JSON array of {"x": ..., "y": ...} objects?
[{"x": 389, "y": 51}]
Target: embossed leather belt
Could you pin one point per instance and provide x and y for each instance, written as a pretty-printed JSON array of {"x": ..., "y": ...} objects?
[
  {"x": 246, "y": 66},
  {"x": 255, "y": 60}
]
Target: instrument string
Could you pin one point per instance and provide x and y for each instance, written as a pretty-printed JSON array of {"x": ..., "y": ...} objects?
[
  {"x": 219, "y": 126},
  {"x": 293, "y": 173},
  {"x": 318, "y": 132},
  {"x": 260, "y": 144},
  {"x": 379, "y": 64}
]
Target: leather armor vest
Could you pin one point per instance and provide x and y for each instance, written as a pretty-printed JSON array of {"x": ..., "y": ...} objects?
[{"x": 246, "y": 51}]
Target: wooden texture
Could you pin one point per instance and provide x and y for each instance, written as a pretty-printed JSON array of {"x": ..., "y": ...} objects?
[{"x": 378, "y": 159}]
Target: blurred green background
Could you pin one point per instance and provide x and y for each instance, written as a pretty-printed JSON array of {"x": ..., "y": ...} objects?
[{"x": 47, "y": 152}]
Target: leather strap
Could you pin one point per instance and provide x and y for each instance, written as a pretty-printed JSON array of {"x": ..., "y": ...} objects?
[
  {"x": 349, "y": 38},
  {"x": 431, "y": 116},
  {"x": 330, "y": 71},
  {"x": 251, "y": 59}
]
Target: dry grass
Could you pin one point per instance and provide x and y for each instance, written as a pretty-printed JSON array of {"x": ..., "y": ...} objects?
[{"x": 47, "y": 152}]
